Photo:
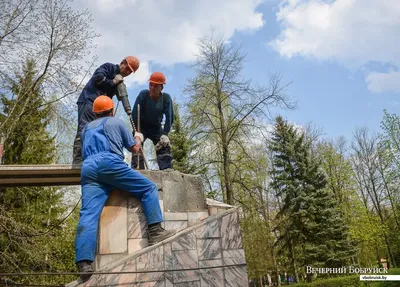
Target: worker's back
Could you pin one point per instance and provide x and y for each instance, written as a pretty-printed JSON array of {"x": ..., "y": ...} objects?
[{"x": 106, "y": 135}]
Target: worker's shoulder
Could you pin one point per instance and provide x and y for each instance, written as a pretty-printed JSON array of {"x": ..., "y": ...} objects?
[
  {"x": 167, "y": 96},
  {"x": 144, "y": 92},
  {"x": 108, "y": 65},
  {"x": 114, "y": 122}
]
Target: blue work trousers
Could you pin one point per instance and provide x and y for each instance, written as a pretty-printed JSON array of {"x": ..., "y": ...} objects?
[{"x": 100, "y": 174}]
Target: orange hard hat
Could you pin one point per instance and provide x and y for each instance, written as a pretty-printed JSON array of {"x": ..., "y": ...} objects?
[
  {"x": 102, "y": 104},
  {"x": 133, "y": 63},
  {"x": 157, "y": 78}
]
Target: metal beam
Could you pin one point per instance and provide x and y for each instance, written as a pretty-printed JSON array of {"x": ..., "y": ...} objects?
[{"x": 40, "y": 175}]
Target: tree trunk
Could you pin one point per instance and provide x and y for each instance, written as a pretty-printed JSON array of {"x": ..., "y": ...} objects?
[
  {"x": 389, "y": 248},
  {"x": 228, "y": 187},
  {"x": 276, "y": 271},
  {"x": 293, "y": 261}
]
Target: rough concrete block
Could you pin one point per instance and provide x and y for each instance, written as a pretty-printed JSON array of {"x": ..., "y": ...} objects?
[
  {"x": 194, "y": 193},
  {"x": 174, "y": 196},
  {"x": 113, "y": 228},
  {"x": 154, "y": 176},
  {"x": 172, "y": 176}
]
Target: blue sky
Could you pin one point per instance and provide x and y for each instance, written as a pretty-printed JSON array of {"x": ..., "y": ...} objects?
[{"x": 340, "y": 55}]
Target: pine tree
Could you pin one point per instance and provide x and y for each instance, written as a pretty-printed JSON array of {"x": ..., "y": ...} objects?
[
  {"x": 311, "y": 230},
  {"x": 181, "y": 146},
  {"x": 28, "y": 212}
]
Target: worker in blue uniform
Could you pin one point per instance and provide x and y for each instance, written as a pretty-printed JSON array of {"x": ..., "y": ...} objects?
[
  {"x": 154, "y": 104},
  {"x": 103, "y": 82},
  {"x": 103, "y": 169}
]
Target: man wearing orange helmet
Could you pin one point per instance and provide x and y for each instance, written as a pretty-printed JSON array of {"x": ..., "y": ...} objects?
[
  {"x": 154, "y": 104},
  {"x": 104, "y": 169},
  {"x": 103, "y": 82}
]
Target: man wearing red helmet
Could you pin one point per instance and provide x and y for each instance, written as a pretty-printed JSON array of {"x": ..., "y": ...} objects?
[
  {"x": 154, "y": 104},
  {"x": 104, "y": 169},
  {"x": 103, "y": 82}
]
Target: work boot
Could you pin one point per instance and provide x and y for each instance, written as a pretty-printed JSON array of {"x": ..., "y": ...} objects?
[
  {"x": 84, "y": 266},
  {"x": 157, "y": 234}
]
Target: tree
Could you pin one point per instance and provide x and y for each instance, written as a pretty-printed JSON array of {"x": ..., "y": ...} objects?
[
  {"x": 390, "y": 137},
  {"x": 31, "y": 235},
  {"x": 53, "y": 34},
  {"x": 181, "y": 145},
  {"x": 310, "y": 227},
  {"x": 367, "y": 164},
  {"x": 222, "y": 107},
  {"x": 31, "y": 126},
  {"x": 255, "y": 198},
  {"x": 389, "y": 163},
  {"x": 364, "y": 230}
]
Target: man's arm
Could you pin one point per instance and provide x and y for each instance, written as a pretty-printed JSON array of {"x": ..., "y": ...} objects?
[
  {"x": 104, "y": 75},
  {"x": 131, "y": 143},
  {"x": 139, "y": 101},
  {"x": 169, "y": 114}
]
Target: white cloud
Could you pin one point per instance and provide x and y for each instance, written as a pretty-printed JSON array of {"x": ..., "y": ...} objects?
[
  {"x": 351, "y": 32},
  {"x": 383, "y": 82},
  {"x": 164, "y": 32},
  {"x": 141, "y": 75}
]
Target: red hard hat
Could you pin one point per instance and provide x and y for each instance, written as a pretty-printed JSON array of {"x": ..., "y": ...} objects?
[
  {"x": 133, "y": 63},
  {"x": 102, "y": 104},
  {"x": 158, "y": 78}
]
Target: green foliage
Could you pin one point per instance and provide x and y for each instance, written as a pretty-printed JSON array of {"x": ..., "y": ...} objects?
[
  {"x": 255, "y": 235},
  {"x": 352, "y": 281},
  {"x": 308, "y": 219},
  {"x": 346, "y": 281},
  {"x": 252, "y": 194},
  {"x": 181, "y": 146},
  {"x": 390, "y": 125},
  {"x": 364, "y": 228},
  {"x": 29, "y": 142},
  {"x": 392, "y": 271},
  {"x": 32, "y": 238}
]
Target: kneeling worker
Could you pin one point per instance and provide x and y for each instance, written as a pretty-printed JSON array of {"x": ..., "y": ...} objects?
[{"x": 103, "y": 169}]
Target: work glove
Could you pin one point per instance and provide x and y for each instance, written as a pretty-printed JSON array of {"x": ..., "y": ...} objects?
[
  {"x": 136, "y": 148},
  {"x": 158, "y": 146},
  {"x": 118, "y": 79},
  {"x": 140, "y": 136},
  {"x": 165, "y": 141}
]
